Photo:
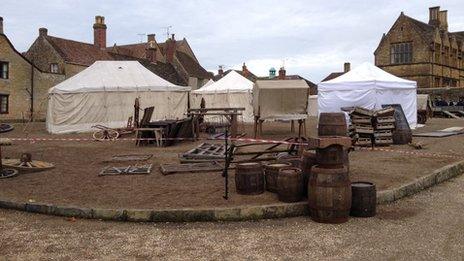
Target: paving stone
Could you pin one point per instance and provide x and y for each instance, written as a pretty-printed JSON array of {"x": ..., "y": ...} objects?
[
  {"x": 139, "y": 215},
  {"x": 12, "y": 205},
  {"x": 385, "y": 196},
  {"x": 227, "y": 214},
  {"x": 40, "y": 208},
  {"x": 73, "y": 212},
  {"x": 109, "y": 214}
]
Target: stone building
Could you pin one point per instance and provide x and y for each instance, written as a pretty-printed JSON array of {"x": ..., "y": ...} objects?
[
  {"x": 173, "y": 60},
  {"x": 424, "y": 52},
  {"x": 23, "y": 86}
]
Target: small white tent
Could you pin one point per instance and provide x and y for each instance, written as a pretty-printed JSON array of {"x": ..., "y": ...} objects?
[
  {"x": 368, "y": 86},
  {"x": 208, "y": 83},
  {"x": 104, "y": 93},
  {"x": 232, "y": 90}
]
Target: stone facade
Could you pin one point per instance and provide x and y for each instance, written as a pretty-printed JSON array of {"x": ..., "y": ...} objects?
[
  {"x": 23, "y": 77},
  {"x": 436, "y": 53}
]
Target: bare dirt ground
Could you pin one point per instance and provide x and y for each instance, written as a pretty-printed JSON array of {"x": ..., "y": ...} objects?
[
  {"x": 427, "y": 226},
  {"x": 75, "y": 179}
]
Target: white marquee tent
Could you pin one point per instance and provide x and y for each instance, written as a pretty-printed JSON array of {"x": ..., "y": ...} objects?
[
  {"x": 368, "y": 86},
  {"x": 232, "y": 90},
  {"x": 104, "y": 93}
]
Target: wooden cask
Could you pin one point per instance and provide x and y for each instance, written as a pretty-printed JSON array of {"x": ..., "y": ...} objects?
[
  {"x": 332, "y": 124},
  {"x": 364, "y": 199},
  {"x": 290, "y": 184},
  {"x": 271, "y": 172},
  {"x": 249, "y": 178},
  {"x": 309, "y": 160},
  {"x": 329, "y": 195}
]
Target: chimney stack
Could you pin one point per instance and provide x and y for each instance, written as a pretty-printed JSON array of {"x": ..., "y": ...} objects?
[
  {"x": 1, "y": 25},
  {"x": 433, "y": 16},
  {"x": 170, "y": 49},
  {"x": 244, "y": 70},
  {"x": 443, "y": 20},
  {"x": 150, "y": 37},
  {"x": 221, "y": 70},
  {"x": 282, "y": 73},
  {"x": 43, "y": 32},
  {"x": 346, "y": 67},
  {"x": 99, "y": 32}
]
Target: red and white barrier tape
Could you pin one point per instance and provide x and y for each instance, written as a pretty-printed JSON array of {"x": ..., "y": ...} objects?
[{"x": 264, "y": 141}]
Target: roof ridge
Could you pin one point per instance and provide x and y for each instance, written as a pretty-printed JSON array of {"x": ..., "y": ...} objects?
[{"x": 60, "y": 38}]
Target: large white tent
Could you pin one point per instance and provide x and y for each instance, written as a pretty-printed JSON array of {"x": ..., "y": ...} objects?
[
  {"x": 104, "y": 93},
  {"x": 232, "y": 90},
  {"x": 368, "y": 86}
]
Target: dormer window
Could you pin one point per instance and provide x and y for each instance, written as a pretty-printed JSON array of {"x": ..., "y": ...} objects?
[
  {"x": 401, "y": 53},
  {"x": 4, "y": 70},
  {"x": 54, "y": 68}
]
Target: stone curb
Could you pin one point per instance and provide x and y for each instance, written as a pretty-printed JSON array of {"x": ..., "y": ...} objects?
[{"x": 239, "y": 213}]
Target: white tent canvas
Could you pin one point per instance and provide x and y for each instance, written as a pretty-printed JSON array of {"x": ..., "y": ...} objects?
[
  {"x": 232, "y": 90},
  {"x": 368, "y": 86},
  {"x": 104, "y": 93}
]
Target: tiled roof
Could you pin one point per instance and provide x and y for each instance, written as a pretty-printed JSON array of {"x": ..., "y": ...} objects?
[
  {"x": 332, "y": 76},
  {"x": 193, "y": 68},
  {"x": 164, "y": 70},
  {"x": 78, "y": 52}
]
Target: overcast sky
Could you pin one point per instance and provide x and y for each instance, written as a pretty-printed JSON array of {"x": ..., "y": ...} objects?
[{"x": 312, "y": 38}]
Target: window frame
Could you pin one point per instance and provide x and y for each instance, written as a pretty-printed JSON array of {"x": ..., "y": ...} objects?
[
  {"x": 401, "y": 53},
  {"x": 57, "y": 67},
  {"x": 7, "y": 70},
  {"x": 7, "y": 96}
]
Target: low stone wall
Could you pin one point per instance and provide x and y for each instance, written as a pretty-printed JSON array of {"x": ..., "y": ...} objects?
[{"x": 239, "y": 213}]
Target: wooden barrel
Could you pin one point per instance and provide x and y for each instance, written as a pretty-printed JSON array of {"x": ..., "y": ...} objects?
[
  {"x": 290, "y": 184},
  {"x": 332, "y": 124},
  {"x": 249, "y": 178},
  {"x": 329, "y": 195},
  {"x": 294, "y": 161},
  {"x": 309, "y": 160},
  {"x": 271, "y": 172},
  {"x": 334, "y": 156},
  {"x": 364, "y": 199}
]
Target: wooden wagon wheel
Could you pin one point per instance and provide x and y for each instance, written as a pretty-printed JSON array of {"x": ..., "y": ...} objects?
[
  {"x": 8, "y": 173},
  {"x": 4, "y": 127},
  {"x": 107, "y": 134}
]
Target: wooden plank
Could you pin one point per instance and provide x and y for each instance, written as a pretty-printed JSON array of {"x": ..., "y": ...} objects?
[{"x": 452, "y": 115}]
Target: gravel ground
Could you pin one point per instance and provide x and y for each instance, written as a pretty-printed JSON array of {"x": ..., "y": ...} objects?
[{"x": 427, "y": 226}]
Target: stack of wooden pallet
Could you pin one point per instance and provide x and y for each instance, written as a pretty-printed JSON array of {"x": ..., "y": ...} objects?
[
  {"x": 384, "y": 124},
  {"x": 370, "y": 127}
]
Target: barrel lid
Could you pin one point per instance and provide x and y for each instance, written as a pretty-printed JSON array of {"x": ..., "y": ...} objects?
[
  {"x": 279, "y": 165},
  {"x": 362, "y": 184}
]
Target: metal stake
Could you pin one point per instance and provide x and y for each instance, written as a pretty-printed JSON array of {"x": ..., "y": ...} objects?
[{"x": 226, "y": 167}]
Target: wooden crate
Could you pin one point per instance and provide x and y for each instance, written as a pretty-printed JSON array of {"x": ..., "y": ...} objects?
[
  {"x": 383, "y": 133},
  {"x": 385, "y": 126},
  {"x": 361, "y": 120},
  {"x": 390, "y": 119},
  {"x": 364, "y": 142},
  {"x": 382, "y": 141}
]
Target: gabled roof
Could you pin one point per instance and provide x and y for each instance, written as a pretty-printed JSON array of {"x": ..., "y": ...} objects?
[
  {"x": 332, "y": 76},
  {"x": 164, "y": 70},
  {"x": 250, "y": 76},
  {"x": 193, "y": 68},
  {"x": 232, "y": 82},
  {"x": 22, "y": 55},
  {"x": 77, "y": 52}
]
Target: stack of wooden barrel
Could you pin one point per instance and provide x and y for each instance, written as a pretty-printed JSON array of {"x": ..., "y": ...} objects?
[
  {"x": 329, "y": 188},
  {"x": 277, "y": 177}
]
